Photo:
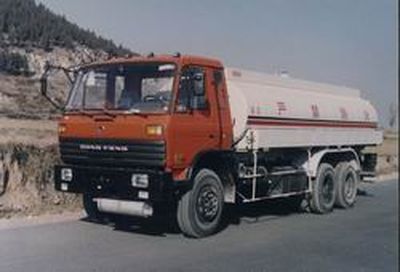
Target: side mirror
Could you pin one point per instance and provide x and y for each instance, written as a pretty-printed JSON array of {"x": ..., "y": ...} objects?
[
  {"x": 198, "y": 77},
  {"x": 217, "y": 77},
  {"x": 43, "y": 86},
  {"x": 198, "y": 84}
]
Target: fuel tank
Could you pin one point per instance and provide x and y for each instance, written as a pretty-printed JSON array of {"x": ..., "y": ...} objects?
[{"x": 271, "y": 111}]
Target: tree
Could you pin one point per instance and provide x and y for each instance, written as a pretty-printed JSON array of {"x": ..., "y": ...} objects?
[{"x": 25, "y": 22}]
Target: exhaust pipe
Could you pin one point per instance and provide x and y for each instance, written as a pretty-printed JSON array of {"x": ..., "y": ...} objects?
[{"x": 135, "y": 208}]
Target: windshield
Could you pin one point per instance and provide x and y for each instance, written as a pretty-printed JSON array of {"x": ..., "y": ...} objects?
[{"x": 132, "y": 88}]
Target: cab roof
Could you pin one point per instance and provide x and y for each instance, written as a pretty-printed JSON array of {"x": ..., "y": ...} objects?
[{"x": 176, "y": 59}]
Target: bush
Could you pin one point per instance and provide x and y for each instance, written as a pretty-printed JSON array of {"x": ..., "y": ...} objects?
[{"x": 13, "y": 63}]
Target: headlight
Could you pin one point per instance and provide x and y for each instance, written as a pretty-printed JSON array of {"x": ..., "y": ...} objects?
[
  {"x": 154, "y": 130},
  {"x": 140, "y": 180},
  {"x": 66, "y": 174}
]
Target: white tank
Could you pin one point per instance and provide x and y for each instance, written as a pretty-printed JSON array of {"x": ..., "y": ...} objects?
[{"x": 271, "y": 111}]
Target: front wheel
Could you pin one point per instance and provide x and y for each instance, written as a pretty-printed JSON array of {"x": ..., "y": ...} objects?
[{"x": 199, "y": 210}]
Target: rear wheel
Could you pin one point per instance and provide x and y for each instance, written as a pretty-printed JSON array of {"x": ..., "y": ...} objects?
[
  {"x": 200, "y": 209},
  {"x": 347, "y": 180},
  {"x": 324, "y": 190}
]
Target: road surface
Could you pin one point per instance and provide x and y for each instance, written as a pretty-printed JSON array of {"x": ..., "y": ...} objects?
[{"x": 364, "y": 238}]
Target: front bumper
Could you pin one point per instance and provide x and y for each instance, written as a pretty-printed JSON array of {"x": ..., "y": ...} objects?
[{"x": 114, "y": 183}]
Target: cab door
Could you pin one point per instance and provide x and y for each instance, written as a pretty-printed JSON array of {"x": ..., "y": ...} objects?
[{"x": 194, "y": 126}]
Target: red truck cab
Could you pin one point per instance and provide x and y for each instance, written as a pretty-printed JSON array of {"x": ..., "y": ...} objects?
[{"x": 133, "y": 129}]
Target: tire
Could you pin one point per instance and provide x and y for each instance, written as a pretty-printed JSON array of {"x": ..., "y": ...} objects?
[
  {"x": 199, "y": 210},
  {"x": 324, "y": 190},
  {"x": 347, "y": 180},
  {"x": 91, "y": 209}
]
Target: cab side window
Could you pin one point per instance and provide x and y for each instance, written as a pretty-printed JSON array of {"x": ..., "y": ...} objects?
[{"x": 191, "y": 94}]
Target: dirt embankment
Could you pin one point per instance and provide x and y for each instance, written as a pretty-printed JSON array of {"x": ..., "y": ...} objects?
[
  {"x": 26, "y": 182},
  {"x": 28, "y": 152}
]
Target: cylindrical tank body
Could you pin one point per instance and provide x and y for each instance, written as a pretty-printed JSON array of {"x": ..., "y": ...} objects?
[{"x": 272, "y": 111}]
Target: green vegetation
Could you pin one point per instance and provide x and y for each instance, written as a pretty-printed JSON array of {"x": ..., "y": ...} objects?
[
  {"x": 23, "y": 23},
  {"x": 14, "y": 64}
]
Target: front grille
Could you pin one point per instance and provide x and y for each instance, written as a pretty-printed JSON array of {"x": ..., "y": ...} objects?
[{"x": 110, "y": 152}]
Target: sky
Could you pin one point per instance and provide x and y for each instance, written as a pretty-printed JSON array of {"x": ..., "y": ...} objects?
[{"x": 344, "y": 42}]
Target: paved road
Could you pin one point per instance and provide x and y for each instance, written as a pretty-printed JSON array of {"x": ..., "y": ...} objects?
[{"x": 361, "y": 239}]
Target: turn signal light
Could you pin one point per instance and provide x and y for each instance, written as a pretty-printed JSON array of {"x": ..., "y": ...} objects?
[
  {"x": 154, "y": 130},
  {"x": 61, "y": 128}
]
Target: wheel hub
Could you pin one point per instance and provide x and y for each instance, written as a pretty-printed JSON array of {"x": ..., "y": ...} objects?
[
  {"x": 207, "y": 204},
  {"x": 349, "y": 186},
  {"x": 327, "y": 189}
]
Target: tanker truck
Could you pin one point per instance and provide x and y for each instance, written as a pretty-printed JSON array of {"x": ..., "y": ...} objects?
[{"x": 141, "y": 133}]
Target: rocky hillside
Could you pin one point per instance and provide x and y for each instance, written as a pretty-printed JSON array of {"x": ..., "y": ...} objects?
[
  {"x": 31, "y": 35},
  {"x": 19, "y": 93}
]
